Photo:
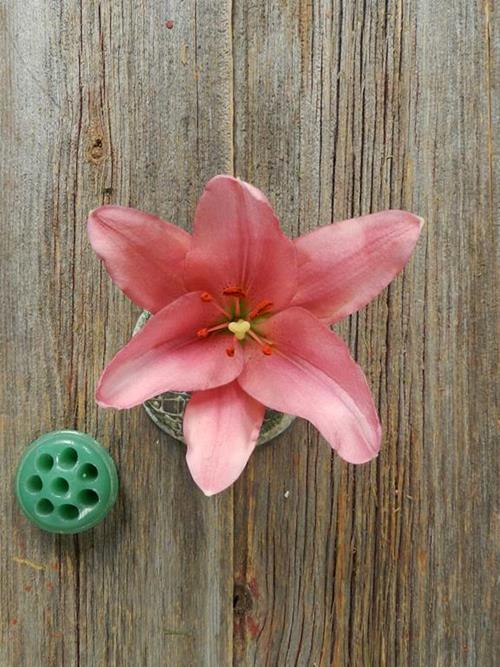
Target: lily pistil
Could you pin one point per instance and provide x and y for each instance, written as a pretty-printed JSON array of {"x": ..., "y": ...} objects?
[{"x": 242, "y": 323}]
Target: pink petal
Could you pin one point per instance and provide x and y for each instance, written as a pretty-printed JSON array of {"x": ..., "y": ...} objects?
[
  {"x": 312, "y": 375},
  {"x": 143, "y": 254},
  {"x": 168, "y": 356},
  {"x": 345, "y": 265},
  {"x": 237, "y": 242},
  {"x": 221, "y": 428}
]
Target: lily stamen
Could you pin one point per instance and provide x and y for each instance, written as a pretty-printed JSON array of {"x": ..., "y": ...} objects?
[
  {"x": 203, "y": 333},
  {"x": 234, "y": 291},
  {"x": 238, "y": 293},
  {"x": 208, "y": 298},
  {"x": 230, "y": 350},
  {"x": 260, "y": 308},
  {"x": 264, "y": 346}
]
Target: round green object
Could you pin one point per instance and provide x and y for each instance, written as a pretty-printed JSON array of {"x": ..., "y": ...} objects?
[{"x": 66, "y": 482}]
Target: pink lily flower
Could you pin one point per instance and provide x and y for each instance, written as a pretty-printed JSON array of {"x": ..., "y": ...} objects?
[{"x": 241, "y": 317}]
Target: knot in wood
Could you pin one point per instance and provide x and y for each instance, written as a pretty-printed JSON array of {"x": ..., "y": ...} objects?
[
  {"x": 242, "y": 599},
  {"x": 96, "y": 150}
]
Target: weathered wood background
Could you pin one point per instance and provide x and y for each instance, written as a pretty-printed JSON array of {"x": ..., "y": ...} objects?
[{"x": 334, "y": 108}]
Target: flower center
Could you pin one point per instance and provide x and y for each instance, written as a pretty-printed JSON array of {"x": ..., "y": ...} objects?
[
  {"x": 239, "y": 328},
  {"x": 240, "y": 320}
]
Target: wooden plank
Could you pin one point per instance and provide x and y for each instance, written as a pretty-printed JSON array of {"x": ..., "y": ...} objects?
[
  {"x": 339, "y": 108},
  {"x": 344, "y": 108},
  {"x": 102, "y": 103}
]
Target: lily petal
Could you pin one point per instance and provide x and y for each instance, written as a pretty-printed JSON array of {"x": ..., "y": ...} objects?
[
  {"x": 166, "y": 355},
  {"x": 237, "y": 242},
  {"x": 143, "y": 254},
  {"x": 312, "y": 375},
  {"x": 221, "y": 428},
  {"x": 345, "y": 265}
]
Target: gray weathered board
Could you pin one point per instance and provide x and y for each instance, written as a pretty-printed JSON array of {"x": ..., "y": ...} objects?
[{"x": 333, "y": 108}]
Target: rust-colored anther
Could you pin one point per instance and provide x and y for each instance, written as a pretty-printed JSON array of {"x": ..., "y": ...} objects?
[
  {"x": 267, "y": 350},
  {"x": 260, "y": 308},
  {"x": 202, "y": 333},
  {"x": 234, "y": 291},
  {"x": 205, "y": 296}
]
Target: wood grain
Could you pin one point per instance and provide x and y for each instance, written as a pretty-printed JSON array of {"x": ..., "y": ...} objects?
[
  {"x": 334, "y": 108},
  {"x": 105, "y": 103}
]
